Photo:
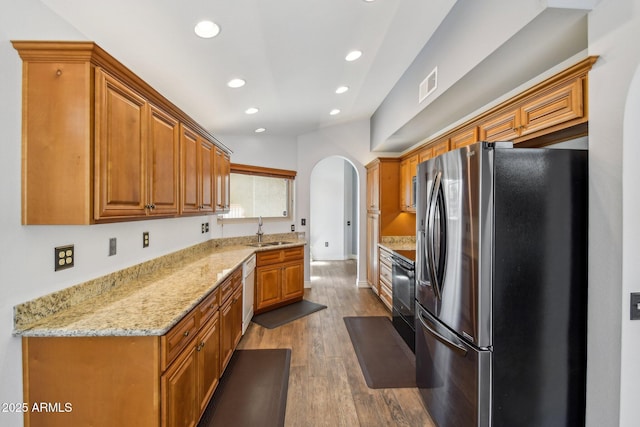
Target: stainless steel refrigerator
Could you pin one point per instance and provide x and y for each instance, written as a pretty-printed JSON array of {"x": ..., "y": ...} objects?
[{"x": 501, "y": 286}]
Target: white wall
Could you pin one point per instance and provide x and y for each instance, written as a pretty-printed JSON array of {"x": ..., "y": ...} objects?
[
  {"x": 350, "y": 141},
  {"x": 327, "y": 203},
  {"x": 630, "y": 372},
  {"x": 613, "y": 369}
]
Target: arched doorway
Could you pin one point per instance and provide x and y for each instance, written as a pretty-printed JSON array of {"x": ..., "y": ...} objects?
[{"x": 334, "y": 210}]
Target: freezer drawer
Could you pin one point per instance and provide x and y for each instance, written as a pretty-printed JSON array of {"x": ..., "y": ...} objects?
[{"x": 453, "y": 377}]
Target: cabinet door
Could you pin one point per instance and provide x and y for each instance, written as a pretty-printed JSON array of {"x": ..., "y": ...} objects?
[
  {"x": 404, "y": 185},
  {"x": 120, "y": 155},
  {"x": 267, "y": 287},
  {"x": 163, "y": 166},
  {"x": 464, "y": 138},
  {"x": 503, "y": 127},
  {"x": 226, "y": 334},
  {"x": 551, "y": 108},
  {"x": 208, "y": 354},
  {"x": 425, "y": 154},
  {"x": 207, "y": 175},
  {"x": 373, "y": 231},
  {"x": 373, "y": 188},
  {"x": 222, "y": 180},
  {"x": 292, "y": 281},
  {"x": 189, "y": 143},
  {"x": 236, "y": 313},
  {"x": 412, "y": 171},
  {"x": 440, "y": 148},
  {"x": 179, "y": 391}
]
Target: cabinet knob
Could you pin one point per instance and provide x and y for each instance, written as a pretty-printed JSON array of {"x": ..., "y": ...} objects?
[{"x": 186, "y": 333}]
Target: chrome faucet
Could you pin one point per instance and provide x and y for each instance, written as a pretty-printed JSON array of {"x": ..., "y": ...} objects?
[{"x": 259, "y": 233}]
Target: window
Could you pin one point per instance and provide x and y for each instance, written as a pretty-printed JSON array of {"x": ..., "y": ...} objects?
[{"x": 257, "y": 191}]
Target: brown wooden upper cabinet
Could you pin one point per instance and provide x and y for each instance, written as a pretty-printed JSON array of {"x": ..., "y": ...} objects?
[
  {"x": 550, "y": 108},
  {"x": 198, "y": 171},
  {"x": 463, "y": 138},
  {"x": 136, "y": 156},
  {"x": 101, "y": 145},
  {"x": 222, "y": 180},
  {"x": 373, "y": 187},
  {"x": 408, "y": 169}
]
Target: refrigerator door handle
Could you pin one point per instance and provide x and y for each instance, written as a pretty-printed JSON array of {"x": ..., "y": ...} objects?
[
  {"x": 454, "y": 346},
  {"x": 420, "y": 259},
  {"x": 431, "y": 215}
]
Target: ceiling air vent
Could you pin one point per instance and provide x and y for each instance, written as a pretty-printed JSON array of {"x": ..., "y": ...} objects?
[{"x": 428, "y": 85}]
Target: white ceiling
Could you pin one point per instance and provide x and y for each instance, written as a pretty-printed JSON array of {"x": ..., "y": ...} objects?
[{"x": 290, "y": 52}]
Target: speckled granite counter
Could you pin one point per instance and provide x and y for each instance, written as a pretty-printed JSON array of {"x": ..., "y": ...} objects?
[
  {"x": 398, "y": 243},
  {"x": 146, "y": 299}
]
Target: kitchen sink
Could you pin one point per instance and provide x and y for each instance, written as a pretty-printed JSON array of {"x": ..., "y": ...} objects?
[{"x": 263, "y": 244}]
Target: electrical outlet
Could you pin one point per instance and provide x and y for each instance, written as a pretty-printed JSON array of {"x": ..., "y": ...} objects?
[
  {"x": 145, "y": 239},
  {"x": 206, "y": 227},
  {"x": 293, "y": 227},
  {"x": 202, "y": 228},
  {"x": 326, "y": 244},
  {"x": 303, "y": 222},
  {"x": 112, "y": 246},
  {"x": 635, "y": 306},
  {"x": 64, "y": 257}
]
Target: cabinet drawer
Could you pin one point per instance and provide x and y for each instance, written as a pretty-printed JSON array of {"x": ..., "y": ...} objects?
[
  {"x": 290, "y": 254},
  {"x": 279, "y": 255},
  {"x": 226, "y": 288},
  {"x": 385, "y": 272},
  {"x": 268, "y": 257},
  {"x": 178, "y": 338},
  {"x": 236, "y": 279},
  {"x": 209, "y": 306},
  {"x": 385, "y": 258},
  {"x": 385, "y": 295}
]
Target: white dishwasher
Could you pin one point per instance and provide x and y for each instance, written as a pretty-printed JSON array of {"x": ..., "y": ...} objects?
[{"x": 248, "y": 279}]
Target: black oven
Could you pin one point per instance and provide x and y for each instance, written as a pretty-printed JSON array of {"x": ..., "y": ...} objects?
[{"x": 403, "y": 287}]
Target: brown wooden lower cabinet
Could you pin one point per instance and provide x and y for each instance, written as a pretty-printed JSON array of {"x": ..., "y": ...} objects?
[
  {"x": 141, "y": 381},
  {"x": 230, "y": 326},
  {"x": 279, "y": 278}
]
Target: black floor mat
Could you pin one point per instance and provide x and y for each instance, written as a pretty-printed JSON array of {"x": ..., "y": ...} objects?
[
  {"x": 280, "y": 316},
  {"x": 252, "y": 391},
  {"x": 385, "y": 359}
]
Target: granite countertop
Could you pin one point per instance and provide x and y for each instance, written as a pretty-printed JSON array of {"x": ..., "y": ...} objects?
[
  {"x": 398, "y": 243},
  {"x": 146, "y": 304}
]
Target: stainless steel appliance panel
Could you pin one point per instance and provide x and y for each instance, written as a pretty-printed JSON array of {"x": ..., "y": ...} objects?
[
  {"x": 452, "y": 376},
  {"x": 454, "y": 240}
]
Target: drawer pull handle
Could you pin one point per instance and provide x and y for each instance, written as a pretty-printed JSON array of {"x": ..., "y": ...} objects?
[{"x": 186, "y": 333}]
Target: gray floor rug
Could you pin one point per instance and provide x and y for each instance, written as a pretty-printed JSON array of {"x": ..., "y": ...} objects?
[
  {"x": 280, "y": 316},
  {"x": 385, "y": 359}
]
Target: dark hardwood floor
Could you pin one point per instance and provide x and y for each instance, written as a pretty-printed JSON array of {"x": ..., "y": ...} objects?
[{"x": 326, "y": 385}]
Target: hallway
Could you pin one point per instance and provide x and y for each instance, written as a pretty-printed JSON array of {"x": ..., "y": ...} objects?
[{"x": 326, "y": 385}]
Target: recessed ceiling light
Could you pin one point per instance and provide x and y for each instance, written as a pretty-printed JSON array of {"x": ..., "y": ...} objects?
[
  {"x": 236, "y": 83},
  {"x": 353, "y": 55},
  {"x": 334, "y": 112},
  {"x": 251, "y": 110},
  {"x": 260, "y": 130},
  {"x": 369, "y": 1},
  {"x": 207, "y": 29},
  {"x": 342, "y": 89}
]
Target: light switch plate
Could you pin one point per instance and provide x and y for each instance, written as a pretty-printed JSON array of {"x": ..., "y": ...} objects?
[
  {"x": 112, "y": 246},
  {"x": 635, "y": 306}
]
